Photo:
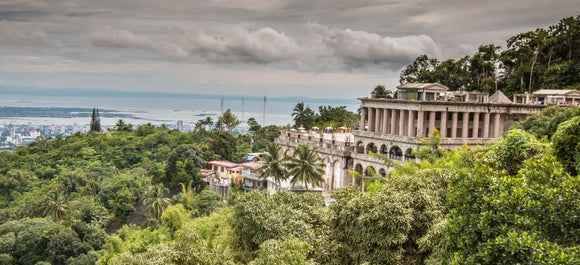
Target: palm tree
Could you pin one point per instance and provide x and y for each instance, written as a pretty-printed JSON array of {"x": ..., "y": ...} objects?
[
  {"x": 305, "y": 167},
  {"x": 155, "y": 203},
  {"x": 56, "y": 205},
  {"x": 302, "y": 115},
  {"x": 273, "y": 164}
]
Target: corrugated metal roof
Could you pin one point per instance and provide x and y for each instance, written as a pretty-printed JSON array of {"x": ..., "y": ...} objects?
[{"x": 223, "y": 163}]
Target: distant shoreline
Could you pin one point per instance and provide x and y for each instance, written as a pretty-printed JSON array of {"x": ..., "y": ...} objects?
[
  {"x": 72, "y": 92},
  {"x": 58, "y": 112}
]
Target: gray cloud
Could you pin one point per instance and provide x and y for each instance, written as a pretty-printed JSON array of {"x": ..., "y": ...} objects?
[
  {"x": 359, "y": 48},
  {"x": 264, "y": 45},
  {"x": 13, "y": 34},
  {"x": 371, "y": 39},
  {"x": 113, "y": 38},
  {"x": 234, "y": 44}
]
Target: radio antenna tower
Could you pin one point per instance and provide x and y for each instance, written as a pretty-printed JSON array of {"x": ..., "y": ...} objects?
[{"x": 264, "y": 117}]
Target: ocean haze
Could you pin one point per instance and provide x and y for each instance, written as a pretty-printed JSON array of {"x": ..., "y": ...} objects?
[{"x": 156, "y": 108}]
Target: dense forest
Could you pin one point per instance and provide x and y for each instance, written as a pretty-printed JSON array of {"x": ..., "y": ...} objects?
[
  {"x": 134, "y": 195},
  {"x": 544, "y": 58}
]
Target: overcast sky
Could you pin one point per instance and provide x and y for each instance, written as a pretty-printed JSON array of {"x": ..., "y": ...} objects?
[{"x": 311, "y": 48}]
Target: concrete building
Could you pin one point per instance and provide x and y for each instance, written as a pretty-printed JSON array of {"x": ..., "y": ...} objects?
[
  {"x": 221, "y": 176},
  {"x": 333, "y": 146},
  {"x": 550, "y": 97},
  {"x": 394, "y": 127}
]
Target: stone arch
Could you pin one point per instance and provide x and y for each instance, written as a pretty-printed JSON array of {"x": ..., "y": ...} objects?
[
  {"x": 360, "y": 148},
  {"x": 357, "y": 181},
  {"x": 384, "y": 150},
  {"x": 371, "y": 147},
  {"x": 358, "y": 168},
  {"x": 368, "y": 172},
  {"x": 395, "y": 153},
  {"x": 409, "y": 154},
  {"x": 383, "y": 172}
]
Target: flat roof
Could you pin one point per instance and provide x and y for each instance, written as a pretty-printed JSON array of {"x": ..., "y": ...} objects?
[
  {"x": 561, "y": 92},
  {"x": 430, "y": 86}
]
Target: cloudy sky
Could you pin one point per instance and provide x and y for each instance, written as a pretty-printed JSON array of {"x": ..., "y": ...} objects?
[{"x": 311, "y": 48}]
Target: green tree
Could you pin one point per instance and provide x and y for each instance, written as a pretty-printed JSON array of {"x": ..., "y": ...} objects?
[
  {"x": 32, "y": 240},
  {"x": 303, "y": 115},
  {"x": 381, "y": 92},
  {"x": 206, "y": 202},
  {"x": 224, "y": 145},
  {"x": 56, "y": 205},
  {"x": 95, "y": 125},
  {"x": 305, "y": 167},
  {"x": 566, "y": 142},
  {"x": 546, "y": 122},
  {"x": 430, "y": 148},
  {"x": 404, "y": 213},
  {"x": 420, "y": 71},
  {"x": 288, "y": 251},
  {"x": 258, "y": 217},
  {"x": 273, "y": 164},
  {"x": 524, "y": 218},
  {"x": 227, "y": 121},
  {"x": 174, "y": 217},
  {"x": 122, "y": 126},
  {"x": 155, "y": 202},
  {"x": 254, "y": 125},
  {"x": 335, "y": 117},
  {"x": 63, "y": 245},
  {"x": 186, "y": 154}
]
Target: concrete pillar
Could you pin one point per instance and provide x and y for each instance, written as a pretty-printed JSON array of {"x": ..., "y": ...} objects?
[
  {"x": 486, "y": 125},
  {"x": 421, "y": 124},
  {"x": 378, "y": 118},
  {"x": 393, "y": 123},
  {"x": 411, "y": 124},
  {"x": 385, "y": 121},
  {"x": 371, "y": 123},
  {"x": 465, "y": 125},
  {"x": 432, "y": 121},
  {"x": 454, "y": 124},
  {"x": 475, "y": 125},
  {"x": 443, "y": 124},
  {"x": 363, "y": 117},
  {"x": 402, "y": 123},
  {"x": 496, "y": 126}
]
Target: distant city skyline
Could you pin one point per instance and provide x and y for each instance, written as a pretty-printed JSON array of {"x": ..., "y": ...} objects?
[{"x": 277, "y": 48}]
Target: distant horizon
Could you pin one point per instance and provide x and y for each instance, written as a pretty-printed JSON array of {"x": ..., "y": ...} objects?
[{"x": 82, "y": 92}]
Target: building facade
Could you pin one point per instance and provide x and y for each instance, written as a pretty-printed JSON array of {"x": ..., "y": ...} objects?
[
  {"x": 334, "y": 149},
  {"x": 394, "y": 127}
]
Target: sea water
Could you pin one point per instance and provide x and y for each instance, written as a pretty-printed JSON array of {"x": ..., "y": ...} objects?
[{"x": 166, "y": 110}]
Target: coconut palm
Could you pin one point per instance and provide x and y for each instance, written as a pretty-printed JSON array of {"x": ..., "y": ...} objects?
[
  {"x": 273, "y": 164},
  {"x": 305, "y": 167},
  {"x": 155, "y": 203},
  {"x": 303, "y": 115},
  {"x": 56, "y": 205}
]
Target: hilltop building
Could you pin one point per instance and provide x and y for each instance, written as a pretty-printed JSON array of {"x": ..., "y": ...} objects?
[{"x": 394, "y": 127}]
